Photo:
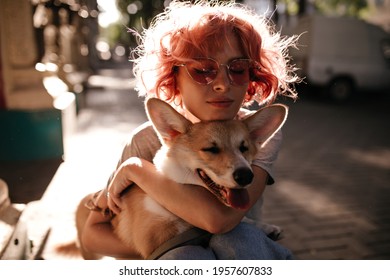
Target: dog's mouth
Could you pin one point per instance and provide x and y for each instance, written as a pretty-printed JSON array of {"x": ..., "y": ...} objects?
[{"x": 235, "y": 198}]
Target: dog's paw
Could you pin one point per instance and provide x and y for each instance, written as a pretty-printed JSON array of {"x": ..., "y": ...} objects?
[{"x": 273, "y": 232}]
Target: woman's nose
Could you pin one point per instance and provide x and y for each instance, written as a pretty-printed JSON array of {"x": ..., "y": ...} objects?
[{"x": 222, "y": 81}]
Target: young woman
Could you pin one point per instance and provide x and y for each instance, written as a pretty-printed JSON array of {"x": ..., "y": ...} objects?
[{"x": 208, "y": 61}]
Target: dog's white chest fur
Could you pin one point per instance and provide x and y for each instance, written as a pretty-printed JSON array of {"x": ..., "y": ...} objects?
[
  {"x": 174, "y": 168},
  {"x": 175, "y": 171},
  {"x": 152, "y": 206}
]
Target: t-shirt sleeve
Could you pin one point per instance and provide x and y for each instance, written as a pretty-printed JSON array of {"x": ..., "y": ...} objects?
[
  {"x": 268, "y": 154},
  {"x": 143, "y": 143}
]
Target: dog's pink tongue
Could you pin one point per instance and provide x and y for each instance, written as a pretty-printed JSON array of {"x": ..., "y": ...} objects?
[{"x": 238, "y": 198}]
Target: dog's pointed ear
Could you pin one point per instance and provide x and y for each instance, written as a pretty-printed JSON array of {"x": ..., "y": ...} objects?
[
  {"x": 167, "y": 121},
  {"x": 266, "y": 122}
]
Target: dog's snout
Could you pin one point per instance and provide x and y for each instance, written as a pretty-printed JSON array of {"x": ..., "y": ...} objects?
[{"x": 243, "y": 176}]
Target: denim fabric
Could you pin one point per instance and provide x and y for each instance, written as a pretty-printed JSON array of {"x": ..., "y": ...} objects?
[{"x": 244, "y": 242}]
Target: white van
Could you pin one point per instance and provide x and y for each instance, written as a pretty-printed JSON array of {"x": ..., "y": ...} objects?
[{"x": 343, "y": 54}]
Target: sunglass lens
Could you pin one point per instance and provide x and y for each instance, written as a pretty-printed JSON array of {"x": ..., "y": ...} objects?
[
  {"x": 202, "y": 71},
  {"x": 239, "y": 71}
]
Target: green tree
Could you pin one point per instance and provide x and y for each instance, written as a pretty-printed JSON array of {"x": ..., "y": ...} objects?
[
  {"x": 137, "y": 14},
  {"x": 352, "y": 8}
]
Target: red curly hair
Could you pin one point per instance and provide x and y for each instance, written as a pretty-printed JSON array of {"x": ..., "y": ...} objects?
[{"x": 185, "y": 31}]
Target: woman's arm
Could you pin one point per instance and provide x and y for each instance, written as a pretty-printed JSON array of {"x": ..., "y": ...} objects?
[
  {"x": 194, "y": 204},
  {"x": 98, "y": 237}
]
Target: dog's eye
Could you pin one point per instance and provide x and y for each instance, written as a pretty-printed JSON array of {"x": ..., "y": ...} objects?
[
  {"x": 243, "y": 148},
  {"x": 212, "y": 150}
]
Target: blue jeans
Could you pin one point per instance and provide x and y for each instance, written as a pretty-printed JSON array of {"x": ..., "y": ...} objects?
[{"x": 244, "y": 242}]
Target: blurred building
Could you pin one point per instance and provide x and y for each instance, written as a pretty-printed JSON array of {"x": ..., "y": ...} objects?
[{"x": 47, "y": 52}]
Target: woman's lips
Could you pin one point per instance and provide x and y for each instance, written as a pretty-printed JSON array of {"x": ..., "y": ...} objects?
[{"x": 221, "y": 103}]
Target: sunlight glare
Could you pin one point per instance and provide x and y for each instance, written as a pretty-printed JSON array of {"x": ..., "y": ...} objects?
[{"x": 109, "y": 13}]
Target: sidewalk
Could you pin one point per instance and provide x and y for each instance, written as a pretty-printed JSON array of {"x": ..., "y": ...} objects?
[
  {"x": 333, "y": 181},
  {"x": 332, "y": 177}
]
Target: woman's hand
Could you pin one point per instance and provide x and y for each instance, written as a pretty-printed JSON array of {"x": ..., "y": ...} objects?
[{"x": 120, "y": 181}]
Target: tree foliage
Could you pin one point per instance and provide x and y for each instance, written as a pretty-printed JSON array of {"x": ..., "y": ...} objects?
[
  {"x": 342, "y": 7},
  {"x": 352, "y": 8},
  {"x": 137, "y": 14}
]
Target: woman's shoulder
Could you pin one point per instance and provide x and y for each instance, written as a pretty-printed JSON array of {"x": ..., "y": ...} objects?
[
  {"x": 142, "y": 130},
  {"x": 142, "y": 143}
]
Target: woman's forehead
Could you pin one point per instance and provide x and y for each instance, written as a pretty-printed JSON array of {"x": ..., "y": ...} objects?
[{"x": 221, "y": 44}]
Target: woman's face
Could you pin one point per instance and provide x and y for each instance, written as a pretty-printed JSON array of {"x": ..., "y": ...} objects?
[{"x": 219, "y": 100}]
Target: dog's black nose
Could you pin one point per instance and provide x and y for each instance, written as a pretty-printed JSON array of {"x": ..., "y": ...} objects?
[{"x": 243, "y": 176}]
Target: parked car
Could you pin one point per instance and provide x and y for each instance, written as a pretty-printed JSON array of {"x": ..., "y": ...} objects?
[{"x": 342, "y": 55}]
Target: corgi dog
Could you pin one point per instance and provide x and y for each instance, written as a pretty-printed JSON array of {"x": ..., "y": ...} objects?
[{"x": 216, "y": 155}]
